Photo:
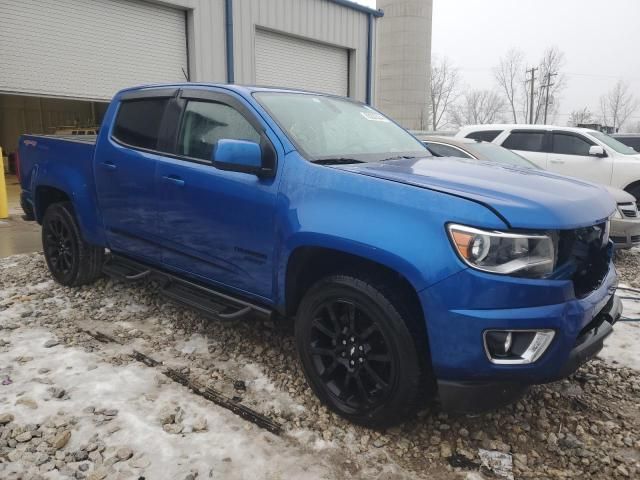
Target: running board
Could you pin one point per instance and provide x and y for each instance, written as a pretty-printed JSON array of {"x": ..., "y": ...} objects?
[{"x": 211, "y": 302}]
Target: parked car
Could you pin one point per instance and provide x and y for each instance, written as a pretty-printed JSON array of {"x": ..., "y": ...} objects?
[
  {"x": 405, "y": 274},
  {"x": 625, "y": 223},
  {"x": 629, "y": 139},
  {"x": 572, "y": 151}
]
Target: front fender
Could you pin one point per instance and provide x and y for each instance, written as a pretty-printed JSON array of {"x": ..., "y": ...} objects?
[{"x": 402, "y": 227}]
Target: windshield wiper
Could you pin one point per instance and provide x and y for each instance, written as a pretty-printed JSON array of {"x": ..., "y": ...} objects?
[
  {"x": 336, "y": 161},
  {"x": 401, "y": 157}
]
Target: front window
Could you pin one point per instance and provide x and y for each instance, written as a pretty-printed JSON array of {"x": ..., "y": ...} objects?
[
  {"x": 333, "y": 128},
  {"x": 205, "y": 123},
  {"x": 568, "y": 144},
  {"x": 613, "y": 143}
]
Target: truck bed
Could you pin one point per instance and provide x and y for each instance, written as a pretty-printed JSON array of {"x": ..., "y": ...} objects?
[{"x": 55, "y": 161}]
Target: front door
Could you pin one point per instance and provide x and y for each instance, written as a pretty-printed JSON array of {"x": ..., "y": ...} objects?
[
  {"x": 570, "y": 156},
  {"x": 125, "y": 166},
  {"x": 216, "y": 225}
]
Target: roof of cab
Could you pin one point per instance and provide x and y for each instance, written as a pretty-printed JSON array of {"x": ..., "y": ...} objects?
[{"x": 227, "y": 86}]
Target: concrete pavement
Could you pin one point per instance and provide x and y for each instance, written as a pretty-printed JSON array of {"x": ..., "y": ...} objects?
[{"x": 16, "y": 235}]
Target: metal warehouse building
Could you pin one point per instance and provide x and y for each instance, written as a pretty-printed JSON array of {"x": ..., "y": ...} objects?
[{"x": 60, "y": 61}]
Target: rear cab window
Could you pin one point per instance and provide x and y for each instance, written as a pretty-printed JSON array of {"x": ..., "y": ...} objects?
[
  {"x": 138, "y": 122},
  {"x": 484, "y": 135},
  {"x": 532, "y": 141}
]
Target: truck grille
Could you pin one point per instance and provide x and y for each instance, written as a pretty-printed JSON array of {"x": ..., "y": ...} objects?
[{"x": 583, "y": 256}]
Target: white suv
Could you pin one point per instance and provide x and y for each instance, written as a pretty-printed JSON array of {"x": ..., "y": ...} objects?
[{"x": 575, "y": 152}]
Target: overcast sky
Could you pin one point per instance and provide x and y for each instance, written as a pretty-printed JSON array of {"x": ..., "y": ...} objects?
[{"x": 600, "y": 41}]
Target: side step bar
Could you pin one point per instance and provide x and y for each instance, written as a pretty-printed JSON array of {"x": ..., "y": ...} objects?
[{"x": 211, "y": 302}]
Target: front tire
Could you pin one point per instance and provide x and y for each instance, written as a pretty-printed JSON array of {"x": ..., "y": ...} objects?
[
  {"x": 71, "y": 261},
  {"x": 357, "y": 352}
]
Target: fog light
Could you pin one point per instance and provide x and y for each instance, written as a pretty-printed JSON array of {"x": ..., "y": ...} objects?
[
  {"x": 499, "y": 343},
  {"x": 516, "y": 346}
]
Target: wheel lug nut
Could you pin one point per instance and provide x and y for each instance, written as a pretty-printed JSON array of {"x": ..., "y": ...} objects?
[
  {"x": 360, "y": 348},
  {"x": 361, "y": 360},
  {"x": 352, "y": 363},
  {"x": 344, "y": 354},
  {"x": 344, "y": 342},
  {"x": 352, "y": 339}
]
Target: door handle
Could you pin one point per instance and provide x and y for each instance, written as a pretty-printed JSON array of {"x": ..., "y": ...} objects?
[
  {"x": 109, "y": 166},
  {"x": 556, "y": 161},
  {"x": 173, "y": 179}
]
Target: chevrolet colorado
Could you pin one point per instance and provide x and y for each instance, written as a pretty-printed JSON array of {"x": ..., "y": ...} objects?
[{"x": 407, "y": 276}]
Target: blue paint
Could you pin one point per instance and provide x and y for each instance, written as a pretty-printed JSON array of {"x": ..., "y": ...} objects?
[{"x": 237, "y": 231}]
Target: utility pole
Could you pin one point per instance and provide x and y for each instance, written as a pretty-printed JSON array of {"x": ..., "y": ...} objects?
[
  {"x": 532, "y": 81},
  {"x": 547, "y": 86}
]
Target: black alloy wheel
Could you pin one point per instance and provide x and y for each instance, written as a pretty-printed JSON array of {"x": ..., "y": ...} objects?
[
  {"x": 59, "y": 247},
  {"x": 71, "y": 260},
  {"x": 350, "y": 354},
  {"x": 357, "y": 351}
]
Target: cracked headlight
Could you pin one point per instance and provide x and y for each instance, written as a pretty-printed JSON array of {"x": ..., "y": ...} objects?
[{"x": 523, "y": 255}]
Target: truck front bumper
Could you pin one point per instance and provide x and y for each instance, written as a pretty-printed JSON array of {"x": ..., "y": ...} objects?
[{"x": 467, "y": 379}]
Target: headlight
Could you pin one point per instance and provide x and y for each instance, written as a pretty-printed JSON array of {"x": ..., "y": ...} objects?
[{"x": 504, "y": 252}]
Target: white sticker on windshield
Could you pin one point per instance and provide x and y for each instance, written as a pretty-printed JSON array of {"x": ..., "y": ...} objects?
[{"x": 374, "y": 116}]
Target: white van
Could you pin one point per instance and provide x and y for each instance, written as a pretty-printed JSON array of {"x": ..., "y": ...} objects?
[{"x": 576, "y": 152}]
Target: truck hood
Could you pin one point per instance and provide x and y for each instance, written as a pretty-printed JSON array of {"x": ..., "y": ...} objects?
[{"x": 524, "y": 198}]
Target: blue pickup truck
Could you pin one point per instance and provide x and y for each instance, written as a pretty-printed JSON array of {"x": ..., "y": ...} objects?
[{"x": 407, "y": 277}]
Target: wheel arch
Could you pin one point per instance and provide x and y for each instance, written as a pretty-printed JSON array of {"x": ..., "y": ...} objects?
[
  {"x": 308, "y": 264},
  {"x": 632, "y": 186}
]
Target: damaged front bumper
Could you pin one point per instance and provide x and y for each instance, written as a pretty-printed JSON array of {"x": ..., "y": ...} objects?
[{"x": 467, "y": 379}]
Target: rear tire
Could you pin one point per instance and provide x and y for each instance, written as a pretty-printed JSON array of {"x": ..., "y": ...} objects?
[
  {"x": 71, "y": 261},
  {"x": 357, "y": 352}
]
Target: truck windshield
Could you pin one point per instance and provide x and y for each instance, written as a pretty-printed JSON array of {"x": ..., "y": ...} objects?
[
  {"x": 325, "y": 128},
  {"x": 613, "y": 143}
]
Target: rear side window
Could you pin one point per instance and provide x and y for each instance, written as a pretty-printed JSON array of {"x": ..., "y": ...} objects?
[
  {"x": 484, "y": 135},
  {"x": 138, "y": 122},
  {"x": 567, "y": 144},
  {"x": 205, "y": 123},
  {"x": 446, "y": 151},
  {"x": 527, "y": 141}
]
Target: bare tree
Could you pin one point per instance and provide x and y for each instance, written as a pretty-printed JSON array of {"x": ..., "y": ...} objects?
[
  {"x": 550, "y": 83},
  {"x": 444, "y": 85},
  {"x": 617, "y": 105},
  {"x": 508, "y": 74},
  {"x": 578, "y": 117},
  {"x": 477, "y": 107}
]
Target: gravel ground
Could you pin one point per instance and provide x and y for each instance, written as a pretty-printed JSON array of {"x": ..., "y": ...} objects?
[{"x": 587, "y": 426}]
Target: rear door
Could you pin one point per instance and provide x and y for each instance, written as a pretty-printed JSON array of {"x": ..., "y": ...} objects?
[
  {"x": 570, "y": 156},
  {"x": 531, "y": 144},
  {"x": 216, "y": 225},
  {"x": 125, "y": 165}
]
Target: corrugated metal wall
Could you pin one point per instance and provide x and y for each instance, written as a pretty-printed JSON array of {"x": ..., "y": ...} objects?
[
  {"x": 88, "y": 48},
  {"x": 318, "y": 20},
  {"x": 285, "y": 60}
]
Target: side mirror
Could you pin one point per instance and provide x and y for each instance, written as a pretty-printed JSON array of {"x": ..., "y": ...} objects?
[
  {"x": 238, "y": 156},
  {"x": 597, "y": 151}
]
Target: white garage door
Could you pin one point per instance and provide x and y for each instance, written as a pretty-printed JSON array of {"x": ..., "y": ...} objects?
[
  {"x": 285, "y": 61},
  {"x": 88, "y": 48}
]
